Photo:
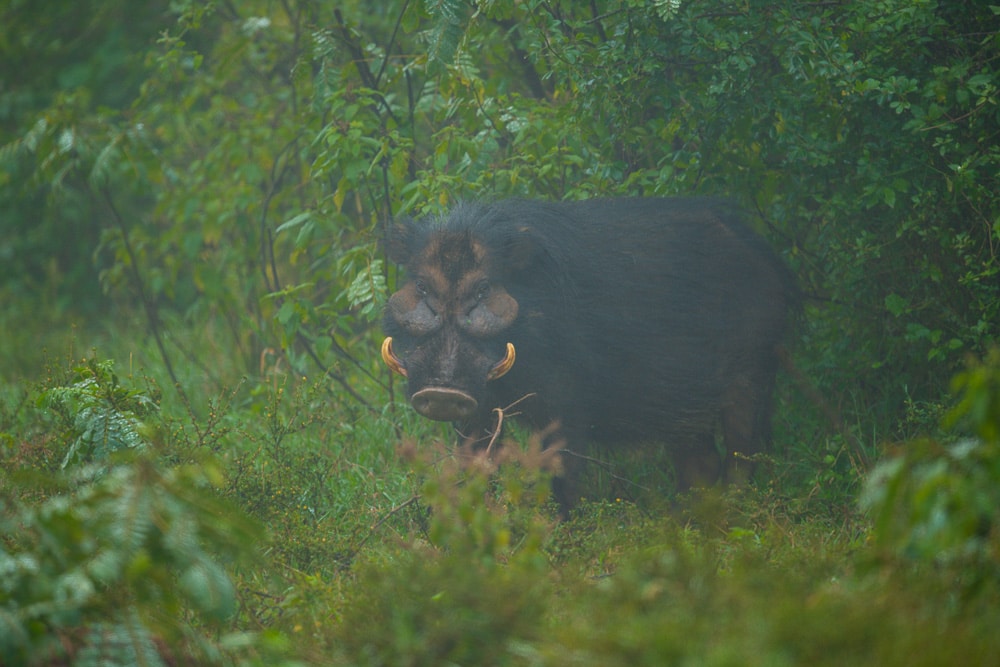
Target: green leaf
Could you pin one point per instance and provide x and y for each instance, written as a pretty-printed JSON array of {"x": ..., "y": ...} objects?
[
  {"x": 294, "y": 221},
  {"x": 896, "y": 305},
  {"x": 14, "y": 637},
  {"x": 210, "y": 590},
  {"x": 287, "y": 312}
]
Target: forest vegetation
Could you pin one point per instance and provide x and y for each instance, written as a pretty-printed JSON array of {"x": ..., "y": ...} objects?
[{"x": 204, "y": 461}]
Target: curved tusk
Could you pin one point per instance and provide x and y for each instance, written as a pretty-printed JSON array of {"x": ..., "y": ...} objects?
[
  {"x": 503, "y": 365},
  {"x": 390, "y": 359}
]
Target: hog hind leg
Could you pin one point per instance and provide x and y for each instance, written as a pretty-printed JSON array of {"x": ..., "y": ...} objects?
[{"x": 746, "y": 421}]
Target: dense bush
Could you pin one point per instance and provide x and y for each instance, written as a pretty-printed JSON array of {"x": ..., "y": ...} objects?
[
  {"x": 139, "y": 550},
  {"x": 936, "y": 503},
  {"x": 104, "y": 560},
  {"x": 202, "y": 187}
]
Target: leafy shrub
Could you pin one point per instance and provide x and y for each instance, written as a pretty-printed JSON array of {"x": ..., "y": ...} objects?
[
  {"x": 939, "y": 503},
  {"x": 121, "y": 547},
  {"x": 472, "y": 589}
]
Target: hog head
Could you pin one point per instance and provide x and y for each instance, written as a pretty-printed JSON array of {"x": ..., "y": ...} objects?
[{"x": 446, "y": 328}]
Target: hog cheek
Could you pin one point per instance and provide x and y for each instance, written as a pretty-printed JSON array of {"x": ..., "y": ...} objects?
[
  {"x": 416, "y": 319},
  {"x": 491, "y": 317}
]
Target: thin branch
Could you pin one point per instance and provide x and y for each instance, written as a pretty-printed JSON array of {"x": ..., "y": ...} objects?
[
  {"x": 496, "y": 431},
  {"x": 979, "y": 107},
  {"x": 382, "y": 519},
  {"x": 152, "y": 314},
  {"x": 492, "y": 436},
  {"x": 339, "y": 379},
  {"x": 522, "y": 58},
  {"x": 392, "y": 40},
  {"x": 608, "y": 468},
  {"x": 361, "y": 63},
  {"x": 266, "y": 237},
  {"x": 596, "y": 20},
  {"x": 832, "y": 414}
]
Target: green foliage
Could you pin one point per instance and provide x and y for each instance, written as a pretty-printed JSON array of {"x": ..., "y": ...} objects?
[
  {"x": 672, "y": 607},
  {"x": 143, "y": 557},
  {"x": 62, "y": 64},
  {"x": 103, "y": 561},
  {"x": 432, "y": 608},
  {"x": 938, "y": 503},
  {"x": 308, "y": 493},
  {"x": 98, "y": 415},
  {"x": 206, "y": 192},
  {"x": 472, "y": 589},
  {"x": 978, "y": 388}
]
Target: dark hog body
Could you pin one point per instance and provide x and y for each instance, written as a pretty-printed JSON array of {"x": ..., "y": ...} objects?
[{"x": 632, "y": 319}]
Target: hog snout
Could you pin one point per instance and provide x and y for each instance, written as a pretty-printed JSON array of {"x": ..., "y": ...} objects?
[{"x": 444, "y": 404}]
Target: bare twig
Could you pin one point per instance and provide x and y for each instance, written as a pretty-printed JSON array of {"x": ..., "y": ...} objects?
[
  {"x": 361, "y": 63},
  {"x": 336, "y": 377},
  {"x": 501, "y": 414},
  {"x": 148, "y": 305},
  {"x": 392, "y": 40},
  {"x": 496, "y": 432},
  {"x": 382, "y": 519},
  {"x": 832, "y": 414},
  {"x": 608, "y": 468}
]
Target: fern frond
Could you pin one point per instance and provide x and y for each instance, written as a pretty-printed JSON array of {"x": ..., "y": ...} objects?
[
  {"x": 122, "y": 644},
  {"x": 368, "y": 289},
  {"x": 132, "y": 513},
  {"x": 209, "y": 589},
  {"x": 14, "y": 639},
  {"x": 446, "y": 34},
  {"x": 105, "y": 162}
]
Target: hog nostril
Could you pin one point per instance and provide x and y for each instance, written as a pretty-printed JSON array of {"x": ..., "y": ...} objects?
[{"x": 443, "y": 404}]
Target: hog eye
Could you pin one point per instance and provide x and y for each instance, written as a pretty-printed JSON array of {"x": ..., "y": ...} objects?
[{"x": 482, "y": 289}]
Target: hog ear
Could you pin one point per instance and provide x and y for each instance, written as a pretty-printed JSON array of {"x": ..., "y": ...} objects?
[
  {"x": 523, "y": 252},
  {"x": 397, "y": 241}
]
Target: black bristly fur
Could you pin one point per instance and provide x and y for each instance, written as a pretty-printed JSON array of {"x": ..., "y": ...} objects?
[{"x": 637, "y": 319}]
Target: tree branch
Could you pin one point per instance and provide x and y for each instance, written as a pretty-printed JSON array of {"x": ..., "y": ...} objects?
[{"x": 149, "y": 306}]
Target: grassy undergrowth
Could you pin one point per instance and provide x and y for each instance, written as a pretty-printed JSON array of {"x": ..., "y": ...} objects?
[{"x": 267, "y": 524}]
